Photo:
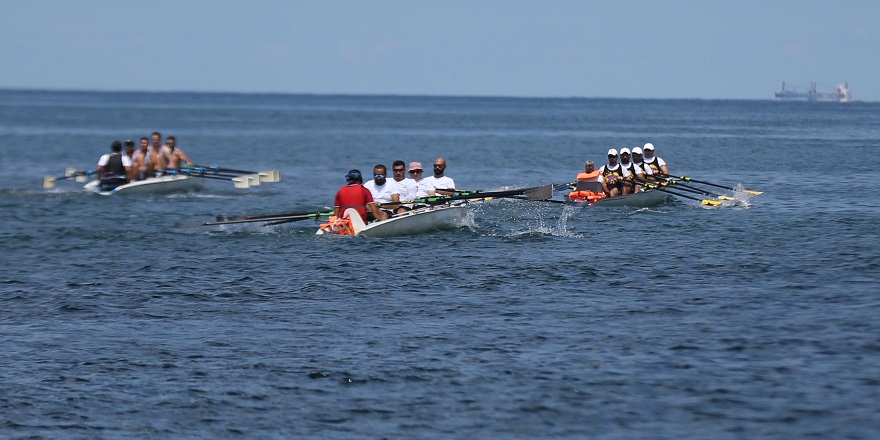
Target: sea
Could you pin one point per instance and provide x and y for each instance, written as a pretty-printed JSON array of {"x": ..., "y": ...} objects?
[{"x": 758, "y": 318}]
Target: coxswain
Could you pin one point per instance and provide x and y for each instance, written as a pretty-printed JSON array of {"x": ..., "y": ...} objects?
[
  {"x": 354, "y": 195},
  {"x": 590, "y": 174},
  {"x": 113, "y": 167}
]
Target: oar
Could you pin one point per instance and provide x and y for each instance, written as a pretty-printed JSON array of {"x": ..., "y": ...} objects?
[
  {"x": 688, "y": 179},
  {"x": 564, "y": 186},
  {"x": 243, "y": 181},
  {"x": 69, "y": 173},
  {"x": 676, "y": 193},
  {"x": 268, "y": 176},
  {"x": 533, "y": 193},
  {"x": 274, "y": 218},
  {"x": 684, "y": 187}
]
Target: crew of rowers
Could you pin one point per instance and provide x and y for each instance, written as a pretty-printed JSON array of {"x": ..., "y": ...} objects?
[
  {"x": 631, "y": 174},
  {"x": 381, "y": 197},
  {"x": 153, "y": 159}
]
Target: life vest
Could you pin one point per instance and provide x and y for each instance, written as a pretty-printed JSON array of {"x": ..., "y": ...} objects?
[
  {"x": 114, "y": 165},
  {"x": 654, "y": 164},
  {"x": 585, "y": 196},
  {"x": 338, "y": 226},
  {"x": 588, "y": 176}
]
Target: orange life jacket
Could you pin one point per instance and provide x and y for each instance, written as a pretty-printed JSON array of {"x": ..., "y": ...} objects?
[
  {"x": 585, "y": 196},
  {"x": 338, "y": 226},
  {"x": 588, "y": 176}
]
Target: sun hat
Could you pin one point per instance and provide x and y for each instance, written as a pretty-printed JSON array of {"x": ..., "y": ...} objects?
[
  {"x": 415, "y": 166},
  {"x": 637, "y": 150},
  {"x": 649, "y": 146},
  {"x": 353, "y": 176},
  {"x": 624, "y": 150},
  {"x": 612, "y": 152}
]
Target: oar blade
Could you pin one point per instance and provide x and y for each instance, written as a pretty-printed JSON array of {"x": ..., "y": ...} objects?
[
  {"x": 253, "y": 179},
  {"x": 754, "y": 193},
  {"x": 270, "y": 176},
  {"x": 48, "y": 182},
  {"x": 711, "y": 202},
  {"x": 241, "y": 182},
  {"x": 539, "y": 193},
  {"x": 188, "y": 225}
]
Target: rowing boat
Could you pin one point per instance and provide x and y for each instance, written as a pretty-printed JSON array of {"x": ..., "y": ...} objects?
[
  {"x": 417, "y": 221},
  {"x": 153, "y": 185}
]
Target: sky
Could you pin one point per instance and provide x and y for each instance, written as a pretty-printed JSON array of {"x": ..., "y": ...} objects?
[{"x": 704, "y": 49}]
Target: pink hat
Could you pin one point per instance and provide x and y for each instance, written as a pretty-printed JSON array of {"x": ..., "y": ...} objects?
[{"x": 415, "y": 166}]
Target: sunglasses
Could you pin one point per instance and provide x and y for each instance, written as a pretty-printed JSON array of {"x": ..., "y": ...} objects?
[
  {"x": 439, "y": 166},
  {"x": 415, "y": 171},
  {"x": 378, "y": 176},
  {"x": 612, "y": 155}
]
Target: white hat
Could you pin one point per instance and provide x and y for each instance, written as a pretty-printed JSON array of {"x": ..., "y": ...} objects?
[
  {"x": 624, "y": 150},
  {"x": 649, "y": 146},
  {"x": 637, "y": 150},
  {"x": 612, "y": 152}
]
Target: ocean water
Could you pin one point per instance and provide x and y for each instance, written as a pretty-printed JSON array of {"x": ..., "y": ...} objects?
[{"x": 533, "y": 320}]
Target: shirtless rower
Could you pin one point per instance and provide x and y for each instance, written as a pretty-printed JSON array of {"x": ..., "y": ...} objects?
[{"x": 174, "y": 155}]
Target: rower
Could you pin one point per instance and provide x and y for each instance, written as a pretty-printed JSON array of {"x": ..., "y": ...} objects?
[
  {"x": 174, "y": 155},
  {"x": 131, "y": 154},
  {"x": 626, "y": 165},
  {"x": 658, "y": 165},
  {"x": 640, "y": 171},
  {"x": 157, "y": 158},
  {"x": 613, "y": 175},
  {"x": 439, "y": 182},
  {"x": 384, "y": 192}
]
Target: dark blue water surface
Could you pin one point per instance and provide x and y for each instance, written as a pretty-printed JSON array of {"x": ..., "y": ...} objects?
[{"x": 535, "y": 320}]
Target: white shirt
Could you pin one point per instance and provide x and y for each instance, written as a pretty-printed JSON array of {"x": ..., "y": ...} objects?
[
  {"x": 402, "y": 189},
  {"x": 416, "y": 189},
  {"x": 643, "y": 167},
  {"x": 382, "y": 193},
  {"x": 102, "y": 162},
  {"x": 444, "y": 182}
]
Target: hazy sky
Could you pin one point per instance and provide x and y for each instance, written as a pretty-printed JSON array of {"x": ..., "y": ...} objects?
[{"x": 739, "y": 49}]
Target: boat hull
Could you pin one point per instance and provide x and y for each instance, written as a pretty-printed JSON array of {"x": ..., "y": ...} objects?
[
  {"x": 417, "y": 221},
  {"x": 154, "y": 185},
  {"x": 644, "y": 199}
]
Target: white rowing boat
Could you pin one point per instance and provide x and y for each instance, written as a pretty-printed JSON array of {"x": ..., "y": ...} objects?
[
  {"x": 153, "y": 185},
  {"x": 417, "y": 221}
]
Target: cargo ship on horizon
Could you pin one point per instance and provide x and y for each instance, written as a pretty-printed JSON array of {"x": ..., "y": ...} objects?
[{"x": 841, "y": 95}]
